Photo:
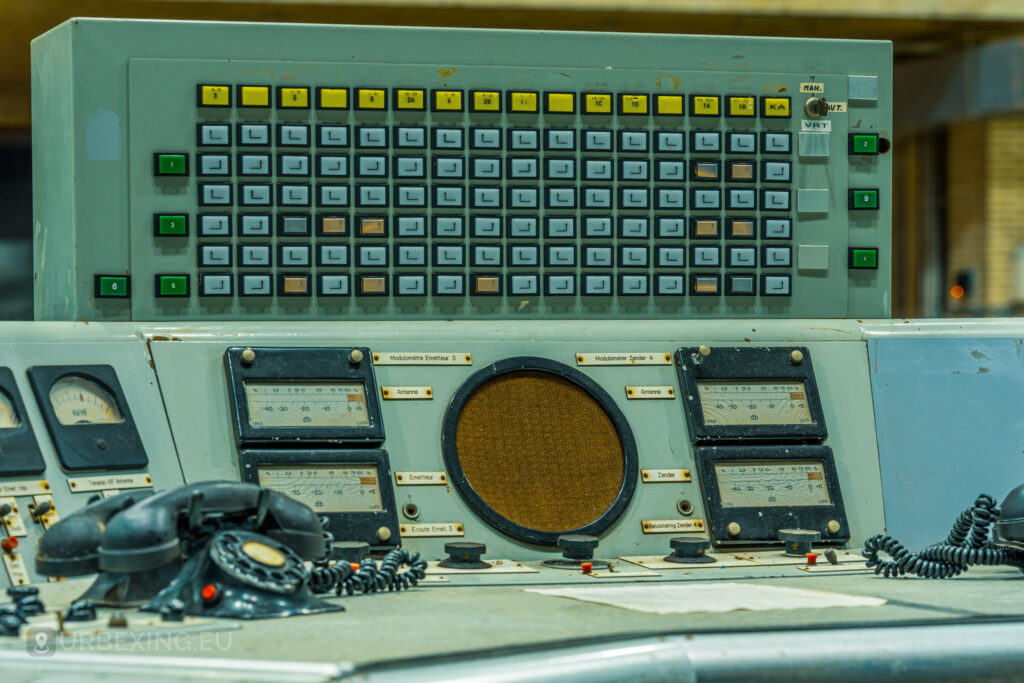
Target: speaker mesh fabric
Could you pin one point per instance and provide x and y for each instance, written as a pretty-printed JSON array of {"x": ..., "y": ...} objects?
[{"x": 540, "y": 451}]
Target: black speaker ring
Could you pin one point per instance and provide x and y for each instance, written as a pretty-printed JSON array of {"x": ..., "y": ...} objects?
[{"x": 450, "y": 453}]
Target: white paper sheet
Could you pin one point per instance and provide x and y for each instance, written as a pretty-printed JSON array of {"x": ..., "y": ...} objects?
[{"x": 708, "y": 597}]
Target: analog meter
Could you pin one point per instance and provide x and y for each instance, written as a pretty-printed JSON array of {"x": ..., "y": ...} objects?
[
  {"x": 19, "y": 451},
  {"x": 78, "y": 400},
  {"x": 748, "y": 393},
  {"x": 88, "y": 417}
]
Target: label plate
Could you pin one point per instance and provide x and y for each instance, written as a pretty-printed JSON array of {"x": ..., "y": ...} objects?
[
  {"x": 815, "y": 126},
  {"x": 17, "y": 572},
  {"x": 421, "y": 358},
  {"x": 624, "y": 358},
  {"x": 431, "y": 529},
  {"x": 673, "y": 526},
  {"x": 644, "y": 393},
  {"x": 24, "y": 488},
  {"x": 668, "y": 475},
  {"x": 111, "y": 481},
  {"x": 406, "y": 393},
  {"x": 421, "y": 478},
  {"x": 817, "y": 88}
]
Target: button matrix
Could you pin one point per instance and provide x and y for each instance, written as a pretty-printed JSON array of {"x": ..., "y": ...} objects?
[{"x": 338, "y": 191}]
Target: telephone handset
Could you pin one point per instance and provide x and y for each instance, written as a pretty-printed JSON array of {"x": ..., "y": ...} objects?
[
  {"x": 223, "y": 549},
  {"x": 968, "y": 543}
]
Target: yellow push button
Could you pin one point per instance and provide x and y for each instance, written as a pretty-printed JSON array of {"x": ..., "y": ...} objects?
[
  {"x": 561, "y": 103},
  {"x": 775, "y": 107},
  {"x": 371, "y": 98},
  {"x": 293, "y": 98},
  {"x": 741, "y": 228},
  {"x": 705, "y": 105},
  {"x": 214, "y": 95},
  {"x": 668, "y": 105},
  {"x": 410, "y": 99},
  {"x": 333, "y": 98},
  {"x": 486, "y": 100},
  {"x": 447, "y": 100},
  {"x": 372, "y": 284},
  {"x": 371, "y": 226},
  {"x": 705, "y": 227},
  {"x": 633, "y": 104},
  {"x": 522, "y": 102},
  {"x": 254, "y": 96},
  {"x": 485, "y": 284},
  {"x": 742, "y": 106},
  {"x": 333, "y": 225},
  {"x": 295, "y": 284},
  {"x": 597, "y": 103}
]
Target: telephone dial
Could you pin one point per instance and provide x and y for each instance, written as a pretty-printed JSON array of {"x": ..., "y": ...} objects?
[{"x": 219, "y": 549}]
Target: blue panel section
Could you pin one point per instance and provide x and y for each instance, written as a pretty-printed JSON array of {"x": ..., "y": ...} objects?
[{"x": 950, "y": 421}]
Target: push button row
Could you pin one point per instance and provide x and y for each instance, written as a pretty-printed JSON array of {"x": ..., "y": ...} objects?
[
  {"x": 482, "y": 227},
  {"x": 486, "y": 197},
  {"x": 489, "y": 255},
  {"x": 411, "y": 285},
  {"x": 489, "y": 101},
  {"x": 492, "y": 138}
]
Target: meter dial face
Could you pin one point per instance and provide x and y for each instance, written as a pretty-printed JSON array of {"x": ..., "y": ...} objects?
[
  {"x": 80, "y": 401},
  {"x": 307, "y": 404},
  {"x": 327, "y": 488},
  {"x": 754, "y": 403},
  {"x": 772, "y": 484},
  {"x": 8, "y": 415}
]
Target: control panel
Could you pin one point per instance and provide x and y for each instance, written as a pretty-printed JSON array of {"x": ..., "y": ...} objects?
[
  {"x": 218, "y": 173},
  {"x": 539, "y": 446}
]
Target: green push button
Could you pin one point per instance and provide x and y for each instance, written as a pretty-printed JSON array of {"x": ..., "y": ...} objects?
[
  {"x": 172, "y": 285},
  {"x": 171, "y": 225},
  {"x": 863, "y": 258},
  {"x": 863, "y": 199},
  {"x": 171, "y": 164},
  {"x": 112, "y": 286},
  {"x": 863, "y": 144}
]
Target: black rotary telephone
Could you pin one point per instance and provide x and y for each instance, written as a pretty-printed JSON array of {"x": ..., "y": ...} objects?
[{"x": 221, "y": 549}]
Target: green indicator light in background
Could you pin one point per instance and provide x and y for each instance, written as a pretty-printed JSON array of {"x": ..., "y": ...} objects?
[
  {"x": 113, "y": 286},
  {"x": 173, "y": 285},
  {"x": 171, "y": 164},
  {"x": 864, "y": 258}
]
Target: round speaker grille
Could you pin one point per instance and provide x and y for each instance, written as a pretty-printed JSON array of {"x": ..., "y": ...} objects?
[{"x": 538, "y": 450}]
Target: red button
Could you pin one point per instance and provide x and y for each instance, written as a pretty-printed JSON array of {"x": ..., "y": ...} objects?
[
  {"x": 9, "y": 544},
  {"x": 812, "y": 559},
  {"x": 209, "y": 592},
  {"x": 587, "y": 567}
]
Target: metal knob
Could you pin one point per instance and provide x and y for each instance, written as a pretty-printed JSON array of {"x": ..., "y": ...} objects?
[
  {"x": 464, "y": 555},
  {"x": 350, "y": 551},
  {"x": 799, "y": 541},
  {"x": 689, "y": 550},
  {"x": 577, "y": 546}
]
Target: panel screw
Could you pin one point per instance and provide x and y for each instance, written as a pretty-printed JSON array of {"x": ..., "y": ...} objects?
[
  {"x": 356, "y": 357},
  {"x": 797, "y": 356},
  {"x": 383, "y": 533},
  {"x": 248, "y": 356},
  {"x": 734, "y": 529},
  {"x": 833, "y": 526},
  {"x": 704, "y": 350}
]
